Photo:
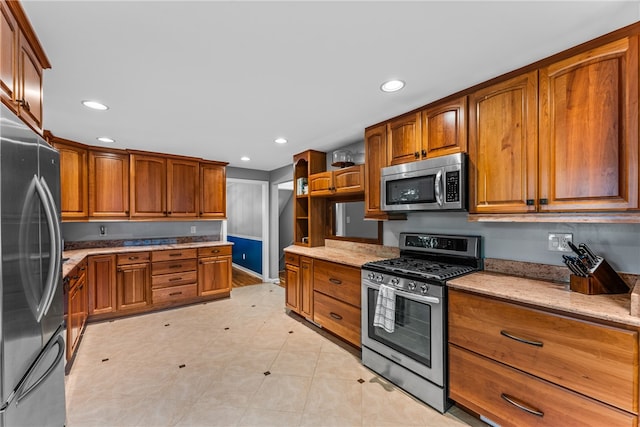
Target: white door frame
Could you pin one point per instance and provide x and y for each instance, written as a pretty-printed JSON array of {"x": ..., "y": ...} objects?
[{"x": 265, "y": 222}]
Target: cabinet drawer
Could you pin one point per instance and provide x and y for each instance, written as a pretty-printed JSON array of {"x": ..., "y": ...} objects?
[
  {"x": 596, "y": 360},
  {"x": 484, "y": 386},
  {"x": 174, "y": 293},
  {"x": 174, "y": 254},
  {"x": 337, "y": 280},
  {"x": 337, "y": 317},
  {"x": 133, "y": 258},
  {"x": 174, "y": 279},
  {"x": 173, "y": 266},
  {"x": 292, "y": 259},
  {"x": 214, "y": 251}
]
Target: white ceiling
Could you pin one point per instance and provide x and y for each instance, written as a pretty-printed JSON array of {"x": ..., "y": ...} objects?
[{"x": 221, "y": 80}]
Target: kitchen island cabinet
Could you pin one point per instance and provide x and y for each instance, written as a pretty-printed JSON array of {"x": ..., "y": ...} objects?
[{"x": 520, "y": 365}]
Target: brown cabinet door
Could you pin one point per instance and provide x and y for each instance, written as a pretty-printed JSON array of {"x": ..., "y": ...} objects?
[
  {"x": 9, "y": 33},
  {"x": 213, "y": 191},
  {"x": 108, "y": 184},
  {"x": 375, "y": 149},
  {"x": 148, "y": 186},
  {"x": 503, "y": 146},
  {"x": 214, "y": 275},
  {"x": 321, "y": 184},
  {"x": 349, "y": 180},
  {"x": 306, "y": 287},
  {"x": 133, "y": 286},
  {"x": 589, "y": 130},
  {"x": 73, "y": 181},
  {"x": 102, "y": 284},
  {"x": 30, "y": 85},
  {"x": 74, "y": 313},
  {"x": 405, "y": 139},
  {"x": 182, "y": 188},
  {"x": 292, "y": 290},
  {"x": 444, "y": 129}
]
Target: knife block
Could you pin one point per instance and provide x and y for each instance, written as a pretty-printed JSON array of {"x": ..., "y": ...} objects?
[{"x": 602, "y": 279}]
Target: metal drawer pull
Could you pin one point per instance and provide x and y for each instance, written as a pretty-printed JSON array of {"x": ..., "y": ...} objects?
[
  {"x": 520, "y": 405},
  {"x": 522, "y": 340},
  {"x": 215, "y": 251},
  {"x": 335, "y": 316},
  {"x": 175, "y": 279},
  {"x": 172, "y": 294},
  {"x": 335, "y": 281},
  {"x": 178, "y": 254},
  {"x": 133, "y": 258},
  {"x": 175, "y": 266}
]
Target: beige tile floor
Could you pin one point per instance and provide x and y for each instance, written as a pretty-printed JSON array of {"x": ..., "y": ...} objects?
[{"x": 241, "y": 361}]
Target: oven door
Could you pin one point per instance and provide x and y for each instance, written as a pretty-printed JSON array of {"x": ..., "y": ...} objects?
[{"x": 417, "y": 342}]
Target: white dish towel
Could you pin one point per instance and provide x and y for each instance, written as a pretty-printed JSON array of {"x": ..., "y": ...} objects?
[{"x": 385, "y": 314}]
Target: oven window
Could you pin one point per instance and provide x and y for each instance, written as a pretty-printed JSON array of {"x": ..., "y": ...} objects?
[
  {"x": 412, "y": 332},
  {"x": 411, "y": 190}
]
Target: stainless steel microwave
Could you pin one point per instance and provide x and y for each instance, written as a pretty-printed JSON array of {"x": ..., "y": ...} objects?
[{"x": 439, "y": 183}]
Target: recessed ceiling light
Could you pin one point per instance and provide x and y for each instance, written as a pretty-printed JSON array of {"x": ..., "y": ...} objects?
[
  {"x": 245, "y": 158},
  {"x": 280, "y": 141},
  {"x": 105, "y": 139},
  {"x": 95, "y": 105},
  {"x": 392, "y": 86}
]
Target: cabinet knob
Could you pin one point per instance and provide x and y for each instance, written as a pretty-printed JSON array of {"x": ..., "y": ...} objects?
[
  {"x": 24, "y": 104},
  {"x": 424, "y": 153},
  {"x": 544, "y": 201},
  {"x": 416, "y": 154}
]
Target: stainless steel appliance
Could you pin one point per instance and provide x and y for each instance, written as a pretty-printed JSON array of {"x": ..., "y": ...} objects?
[
  {"x": 432, "y": 184},
  {"x": 31, "y": 344},
  {"x": 413, "y": 356}
]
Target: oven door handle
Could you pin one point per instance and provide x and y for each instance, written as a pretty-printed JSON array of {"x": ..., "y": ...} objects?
[{"x": 407, "y": 295}]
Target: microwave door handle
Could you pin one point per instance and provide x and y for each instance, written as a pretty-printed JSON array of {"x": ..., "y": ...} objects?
[{"x": 438, "y": 188}]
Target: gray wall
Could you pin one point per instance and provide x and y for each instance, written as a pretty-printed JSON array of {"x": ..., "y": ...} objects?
[
  {"x": 242, "y": 173},
  {"x": 285, "y": 225},
  {"x": 125, "y": 230},
  {"x": 244, "y": 210},
  {"x": 618, "y": 243},
  {"x": 276, "y": 177}
]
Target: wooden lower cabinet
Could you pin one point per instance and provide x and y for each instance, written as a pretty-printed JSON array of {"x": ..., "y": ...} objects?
[
  {"x": 510, "y": 397},
  {"x": 214, "y": 271},
  {"x": 174, "y": 275},
  {"x": 77, "y": 306},
  {"x": 512, "y": 363},
  {"x": 306, "y": 287},
  {"x": 133, "y": 287},
  {"x": 102, "y": 284},
  {"x": 299, "y": 284},
  {"x": 338, "y": 317},
  {"x": 292, "y": 282}
]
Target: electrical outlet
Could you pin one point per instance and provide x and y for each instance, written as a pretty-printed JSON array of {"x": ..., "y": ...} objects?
[
  {"x": 558, "y": 242},
  {"x": 193, "y": 229}
]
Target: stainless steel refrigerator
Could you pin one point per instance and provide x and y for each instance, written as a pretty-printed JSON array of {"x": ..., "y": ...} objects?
[{"x": 31, "y": 320}]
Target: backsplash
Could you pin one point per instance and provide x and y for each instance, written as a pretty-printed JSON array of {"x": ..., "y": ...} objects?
[{"x": 89, "y": 244}]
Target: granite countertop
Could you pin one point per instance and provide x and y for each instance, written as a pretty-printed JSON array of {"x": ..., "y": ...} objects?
[
  {"x": 77, "y": 255},
  {"x": 348, "y": 253},
  {"x": 552, "y": 295}
]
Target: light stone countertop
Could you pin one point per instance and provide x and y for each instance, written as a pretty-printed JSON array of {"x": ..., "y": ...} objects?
[
  {"x": 76, "y": 255},
  {"x": 552, "y": 295},
  {"x": 348, "y": 253}
]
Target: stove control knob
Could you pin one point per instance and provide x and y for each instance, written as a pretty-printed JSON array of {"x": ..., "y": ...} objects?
[
  {"x": 395, "y": 281},
  {"x": 411, "y": 286},
  {"x": 379, "y": 277},
  {"x": 371, "y": 276},
  {"x": 424, "y": 289}
]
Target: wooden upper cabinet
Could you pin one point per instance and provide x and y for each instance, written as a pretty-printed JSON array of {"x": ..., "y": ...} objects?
[
  {"x": 108, "y": 184},
  {"x": 376, "y": 155},
  {"x": 73, "y": 179},
  {"x": 321, "y": 183},
  {"x": 444, "y": 129},
  {"x": 404, "y": 139},
  {"x": 213, "y": 190},
  {"x": 22, "y": 61},
  {"x": 349, "y": 180},
  {"x": 589, "y": 130},
  {"x": 503, "y": 142},
  {"x": 9, "y": 34},
  {"x": 148, "y": 186},
  {"x": 182, "y": 187}
]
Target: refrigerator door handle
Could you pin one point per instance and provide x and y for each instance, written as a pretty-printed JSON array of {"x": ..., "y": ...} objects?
[
  {"x": 18, "y": 393},
  {"x": 55, "y": 257}
]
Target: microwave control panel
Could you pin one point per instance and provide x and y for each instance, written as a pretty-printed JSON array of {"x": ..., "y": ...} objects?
[{"x": 452, "y": 184}]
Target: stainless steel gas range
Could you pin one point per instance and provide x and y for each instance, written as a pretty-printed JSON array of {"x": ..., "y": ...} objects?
[{"x": 404, "y": 311}]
